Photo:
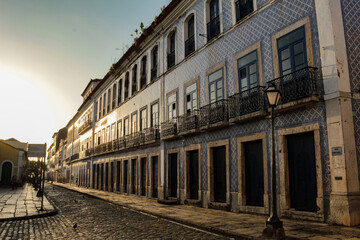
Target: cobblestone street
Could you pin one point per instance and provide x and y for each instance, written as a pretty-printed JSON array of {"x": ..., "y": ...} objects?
[{"x": 95, "y": 219}]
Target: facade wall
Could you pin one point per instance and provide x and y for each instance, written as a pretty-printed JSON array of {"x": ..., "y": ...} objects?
[{"x": 259, "y": 30}]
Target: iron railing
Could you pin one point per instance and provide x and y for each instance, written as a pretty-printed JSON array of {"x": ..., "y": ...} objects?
[
  {"x": 189, "y": 45},
  {"x": 168, "y": 128},
  {"x": 297, "y": 85},
  {"x": 122, "y": 142},
  {"x": 75, "y": 156},
  {"x": 87, "y": 152},
  {"x": 153, "y": 73},
  {"x": 171, "y": 59},
  {"x": 98, "y": 149},
  {"x": 189, "y": 121},
  {"x": 243, "y": 8},
  {"x": 85, "y": 126},
  {"x": 213, "y": 28},
  {"x": 248, "y": 101},
  {"x": 139, "y": 138},
  {"x": 151, "y": 134},
  {"x": 109, "y": 147},
  {"x": 129, "y": 139},
  {"x": 214, "y": 113}
]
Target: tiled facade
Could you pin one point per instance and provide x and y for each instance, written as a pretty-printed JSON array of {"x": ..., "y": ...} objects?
[{"x": 260, "y": 30}]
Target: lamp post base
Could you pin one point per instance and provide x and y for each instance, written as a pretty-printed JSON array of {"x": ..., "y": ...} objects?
[{"x": 273, "y": 230}]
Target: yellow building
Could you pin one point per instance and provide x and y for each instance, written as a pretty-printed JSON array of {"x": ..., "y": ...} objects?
[{"x": 13, "y": 159}]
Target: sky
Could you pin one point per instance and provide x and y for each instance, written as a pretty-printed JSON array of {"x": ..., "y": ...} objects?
[{"x": 49, "y": 51}]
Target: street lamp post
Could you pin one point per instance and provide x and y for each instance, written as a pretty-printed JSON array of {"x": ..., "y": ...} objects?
[{"x": 274, "y": 227}]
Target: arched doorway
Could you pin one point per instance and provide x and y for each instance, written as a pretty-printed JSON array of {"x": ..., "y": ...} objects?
[{"x": 6, "y": 173}]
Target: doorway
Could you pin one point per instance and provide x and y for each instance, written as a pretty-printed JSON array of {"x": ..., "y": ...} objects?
[
  {"x": 254, "y": 173},
  {"x": 302, "y": 171},
  {"x": 193, "y": 174},
  {"x": 6, "y": 173},
  {"x": 118, "y": 175},
  {"x": 155, "y": 174},
  {"x": 173, "y": 175},
  {"x": 143, "y": 176},
  {"x": 125, "y": 176},
  {"x": 112, "y": 176},
  {"x": 219, "y": 174},
  {"x": 133, "y": 176}
]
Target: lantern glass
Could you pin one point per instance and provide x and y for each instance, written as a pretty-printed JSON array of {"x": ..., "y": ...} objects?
[{"x": 273, "y": 96}]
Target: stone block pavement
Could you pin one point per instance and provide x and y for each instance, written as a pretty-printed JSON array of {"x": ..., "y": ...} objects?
[
  {"x": 23, "y": 203},
  {"x": 236, "y": 225}
]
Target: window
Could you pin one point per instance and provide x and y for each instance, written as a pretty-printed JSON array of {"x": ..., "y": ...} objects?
[
  {"x": 134, "y": 123},
  {"x": 134, "y": 80},
  {"x": 243, "y": 8},
  {"x": 126, "y": 126},
  {"x": 119, "y": 129},
  {"x": 143, "y": 72},
  {"x": 120, "y": 91},
  {"x": 143, "y": 121},
  {"x": 113, "y": 131},
  {"x": 97, "y": 117},
  {"x": 126, "y": 90},
  {"x": 100, "y": 108},
  {"x": 113, "y": 96},
  {"x": 216, "y": 89},
  {"x": 190, "y": 39},
  {"x": 95, "y": 137},
  {"x": 213, "y": 26},
  {"x": 154, "y": 60},
  {"x": 191, "y": 98},
  {"x": 171, "y": 103},
  {"x": 107, "y": 134},
  {"x": 155, "y": 115},
  {"x": 248, "y": 71},
  {"x": 171, "y": 50},
  {"x": 99, "y": 138},
  {"x": 292, "y": 51},
  {"x": 104, "y": 104},
  {"x": 103, "y": 136},
  {"x": 108, "y": 100}
]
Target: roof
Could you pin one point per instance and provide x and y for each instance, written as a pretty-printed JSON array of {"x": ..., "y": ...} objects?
[{"x": 91, "y": 81}]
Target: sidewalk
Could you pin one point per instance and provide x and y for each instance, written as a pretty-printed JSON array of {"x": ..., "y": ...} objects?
[
  {"x": 22, "y": 204},
  {"x": 237, "y": 225}
]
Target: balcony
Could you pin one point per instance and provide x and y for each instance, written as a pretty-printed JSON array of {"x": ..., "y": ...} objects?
[
  {"x": 188, "y": 123},
  {"x": 109, "y": 147},
  {"x": 103, "y": 147},
  {"x": 298, "y": 88},
  {"x": 213, "y": 28},
  {"x": 189, "y": 45},
  {"x": 75, "y": 156},
  {"x": 142, "y": 80},
  {"x": 153, "y": 73},
  {"x": 139, "y": 138},
  {"x": 170, "y": 59},
  {"x": 168, "y": 129},
  {"x": 87, "y": 152},
  {"x": 121, "y": 143},
  {"x": 129, "y": 139},
  {"x": 247, "y": 105},
  {"x": 151, "y": 135},
  {"x": 214, "y": 115},
  {"x": 85, "y": 126},
  {"x": 98, "y": 149}
]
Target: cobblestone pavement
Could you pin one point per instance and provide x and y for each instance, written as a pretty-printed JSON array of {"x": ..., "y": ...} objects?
[{"x": 95, "y": 219}]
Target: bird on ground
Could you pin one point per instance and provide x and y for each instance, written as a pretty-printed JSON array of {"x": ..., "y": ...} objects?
[
  {"x": 75, "y": 226},
  {"x": 75, "y": 201}
]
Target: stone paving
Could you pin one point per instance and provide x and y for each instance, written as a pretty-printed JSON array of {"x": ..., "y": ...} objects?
[
  {"x": 22, "y": 203},
  {"x": 239, "y": 225}
]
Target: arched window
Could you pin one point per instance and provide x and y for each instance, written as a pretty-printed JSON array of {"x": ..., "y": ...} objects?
[
  {"x": 134, "y": 80},
  {"x": 189, "y": 32},
  {"x": 154, "y": 62},
  {"x": 171, "y": 50},
  {"x": 143, "y": 72},
  {"x": 126, "y": 87}
]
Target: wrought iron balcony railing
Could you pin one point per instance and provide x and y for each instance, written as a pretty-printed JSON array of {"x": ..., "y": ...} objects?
[
  {"x": 129, "y": 139},
  {"x": 153, "y": 73},
  {"x": 88, "y": 152},
  {"x": 122, "y": 143},
  {"x": 212, "y": 113},
  {"x": 109, "y": 147},
  {"x": 152, "y": 134},
  {"x": 243, "y": 8},
  {"x": 97, "y": 149},
  {"x": 168, "y": 128},
  {"x": 297, "y": 85},
  {"x": 248, "y": 101},
  {"x": 171, "y": 59},
  {"x": 75, "y": 156},
  {"x": 189, "y": 45},
  {"x": 139, "y": 138},
  {"x": 85, "y": 126},
  {"x": 188, "y": 122},
  {"x": 213, "y": 28}
]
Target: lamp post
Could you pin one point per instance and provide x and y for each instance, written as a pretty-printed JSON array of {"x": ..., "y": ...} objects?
[{"x": 274, "y": 227}]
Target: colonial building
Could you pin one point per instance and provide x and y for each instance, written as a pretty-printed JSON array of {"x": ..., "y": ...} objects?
[
  {"x": 183, "y": 115},
  {"x": 13, "y": 160}
]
